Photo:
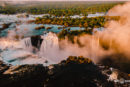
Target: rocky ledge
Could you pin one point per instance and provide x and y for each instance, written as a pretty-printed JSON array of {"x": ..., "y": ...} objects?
[{"x": 73, "y": 72}]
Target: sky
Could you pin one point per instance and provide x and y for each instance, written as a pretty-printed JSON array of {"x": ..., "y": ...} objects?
[{"x": 64, "y": 0}]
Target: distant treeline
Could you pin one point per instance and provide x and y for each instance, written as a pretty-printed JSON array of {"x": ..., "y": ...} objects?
[
  {"x": 93, "y": 22},
  {"x": 58, "y": 8}
]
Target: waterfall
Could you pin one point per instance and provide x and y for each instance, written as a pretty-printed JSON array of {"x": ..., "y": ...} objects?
[
  {"x": 49, "y": 46},
  {"x": 26, "y": 44},
  {"x": 50, "y": 42},
  {"x": 22, "y": 51}
]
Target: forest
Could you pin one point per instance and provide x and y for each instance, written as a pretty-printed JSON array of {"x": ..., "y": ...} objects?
[
  {"x": 87, "y": 23},
  {"x": 59, "y": 13},
  {"x": 57, "y": 8},
  {"x": 93, "y": 22}
]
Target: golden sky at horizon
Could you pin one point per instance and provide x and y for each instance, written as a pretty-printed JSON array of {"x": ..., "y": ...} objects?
[{"x": 64, "y": 0}]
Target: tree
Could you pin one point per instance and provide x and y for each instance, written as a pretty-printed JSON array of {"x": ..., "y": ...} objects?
[{"x": 85, "y": 24}]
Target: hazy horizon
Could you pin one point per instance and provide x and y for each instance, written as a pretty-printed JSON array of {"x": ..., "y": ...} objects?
[{"x": 63, "y": 0}]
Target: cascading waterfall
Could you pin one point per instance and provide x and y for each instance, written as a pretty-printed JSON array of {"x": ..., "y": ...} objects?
[
  {"x": 26, "y": 43},
  {"x": 22, "y": 51},
  {"x": 49, "y": 46},
  {"x": 50, "y": 41},
  {"x": 25, "y": 52}
]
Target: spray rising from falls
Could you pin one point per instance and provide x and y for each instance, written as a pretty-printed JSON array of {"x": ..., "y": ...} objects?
[
  {"x": 111, "y": 43},
  {"x": 22, "y": 51},
  {"x": 19, "y": 52},
  {"x": 50, "y": 49}
]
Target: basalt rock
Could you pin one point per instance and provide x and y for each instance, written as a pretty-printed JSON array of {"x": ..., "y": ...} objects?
[
  {"x": 73, "y": 72},
  {"x": 24, "y": 76},
  {"x": 36, "y": 41},
  {"x": 77, "y": 72},
  {"x": 4, "y": 26},
  {"x": 118, "y": 61},
  {"x": 82, "y": 72},
  {"x": 3, "y": 67}
]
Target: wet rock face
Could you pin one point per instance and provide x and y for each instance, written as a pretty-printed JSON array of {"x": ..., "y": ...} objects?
[
  {"x": 4, "y": 26},
  {"x": 36, "y": 41}
]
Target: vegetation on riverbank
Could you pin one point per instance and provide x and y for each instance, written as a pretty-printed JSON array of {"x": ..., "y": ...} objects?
[
  {"x": 88, "y": 23},
  {"x": 80, "y": 22},
  {"x": 93, "y": 22}
]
